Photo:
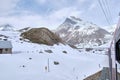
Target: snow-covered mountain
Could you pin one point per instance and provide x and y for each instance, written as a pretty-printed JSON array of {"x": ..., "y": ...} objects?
[
  {"x": 31, "y": 61},
  {"x": 77, "y": 32},
  {"x": 6, "y": 27}
]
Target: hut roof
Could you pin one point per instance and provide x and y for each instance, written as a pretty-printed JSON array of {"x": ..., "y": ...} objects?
[{"x": 5, "y": 44}]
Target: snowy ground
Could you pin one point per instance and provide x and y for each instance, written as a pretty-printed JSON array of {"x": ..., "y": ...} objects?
[{"x": 29, "y": 61}]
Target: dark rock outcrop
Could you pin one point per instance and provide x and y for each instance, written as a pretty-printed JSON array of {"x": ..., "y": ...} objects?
[{"x": 41, "y": 36}]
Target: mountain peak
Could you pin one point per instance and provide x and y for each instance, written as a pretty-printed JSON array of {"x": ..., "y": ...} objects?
[
  {"x": 69, "y": 21},
  {"x": 72, "y": 20},
  {"x": 81, "y": 32},
  {"x": 6, "y": 27},
  {"x": 75, "y": 18}
]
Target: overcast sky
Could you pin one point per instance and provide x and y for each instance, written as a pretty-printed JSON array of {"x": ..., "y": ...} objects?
[{"x": 51, "y": 13}]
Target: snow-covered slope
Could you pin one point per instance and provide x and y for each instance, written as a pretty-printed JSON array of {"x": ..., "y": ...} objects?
[
  {"x": 29, "y": 61},
  {"x": 6, "y": 27},
  {"x": 111, "y": 28},
  {"x": 80, "y": 33}
]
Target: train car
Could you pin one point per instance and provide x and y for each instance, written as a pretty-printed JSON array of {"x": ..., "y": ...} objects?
[
  {"x": 115, "y": 54},
  {"x": 117, "y": 42}
]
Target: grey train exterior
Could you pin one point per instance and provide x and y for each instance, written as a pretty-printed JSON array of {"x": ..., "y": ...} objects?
[{"x": 117, "y": 42}]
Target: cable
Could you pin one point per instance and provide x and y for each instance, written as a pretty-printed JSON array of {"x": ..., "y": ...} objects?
[
  {"x": 108, "y": 10},
  {"x": 105, "y": 9},
  {"x": 104, "y": 12}
]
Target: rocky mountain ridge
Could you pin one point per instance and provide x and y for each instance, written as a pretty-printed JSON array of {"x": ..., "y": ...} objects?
[
  {"x": 41, "y": 36},
  {"x": 77, "y": 32},
  {"x": 74, "y": 31}
]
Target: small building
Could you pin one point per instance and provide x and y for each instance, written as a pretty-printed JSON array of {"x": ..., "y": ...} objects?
[{"x": 5, "y": 47}]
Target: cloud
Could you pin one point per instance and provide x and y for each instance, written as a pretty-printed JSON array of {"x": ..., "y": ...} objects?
[
  {"x": 51, "y": 21},
  {"x": 49, "y": 13},
  {"x": 41, "y": 1},
  {"x": 23, "y": 21},
  {"x": 65, "y": 12},
  {"x": 92, "y": 6},
  {"x": 81, "y": 1},
  {"x": 27, "y": 21},
  {"x": 7, "y": 5},
  {"x": 56, "y": 4}
]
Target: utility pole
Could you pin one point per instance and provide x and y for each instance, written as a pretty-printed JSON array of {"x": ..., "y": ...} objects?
[
  {"x": 48, "y": 66},
  {"x": 110, "y": 63}
]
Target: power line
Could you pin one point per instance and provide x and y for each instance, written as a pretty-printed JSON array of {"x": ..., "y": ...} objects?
[{"x": 106, "y": 11}]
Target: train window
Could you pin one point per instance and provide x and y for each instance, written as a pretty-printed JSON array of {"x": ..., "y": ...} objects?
[{"x": 117, "y": 51}]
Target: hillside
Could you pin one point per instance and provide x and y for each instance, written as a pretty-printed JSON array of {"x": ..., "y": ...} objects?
[
  {"x": 80, "y": 33},
  {"x": 41, "y": 36},
  {"x": 29, "y": 61}
]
